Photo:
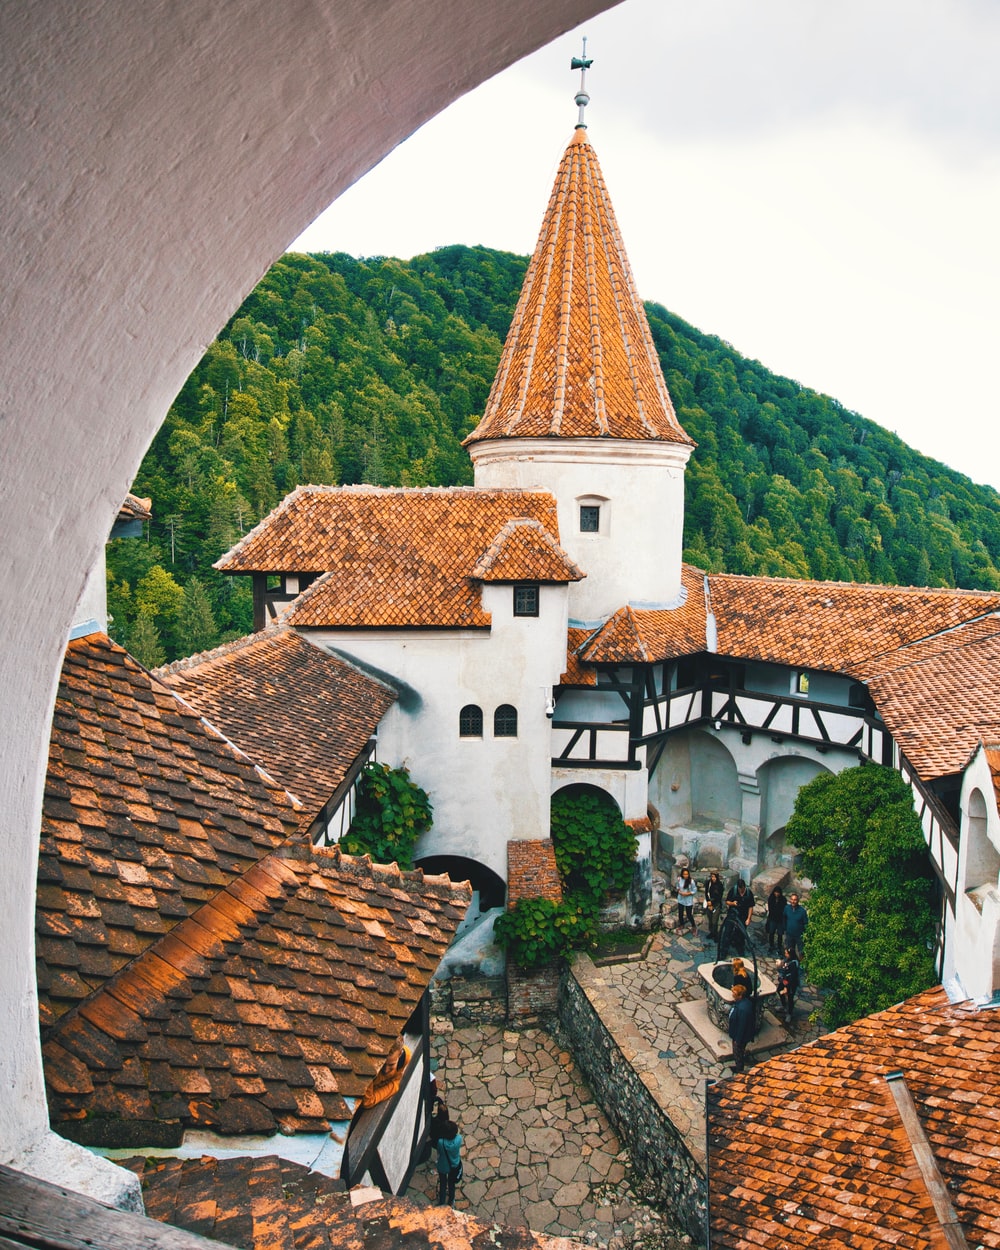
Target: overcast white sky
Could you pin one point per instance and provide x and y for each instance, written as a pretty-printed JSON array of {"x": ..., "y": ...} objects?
[{"x": 817, "y": 183}]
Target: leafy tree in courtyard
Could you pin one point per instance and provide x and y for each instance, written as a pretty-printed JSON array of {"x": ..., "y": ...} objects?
[
  {"x": 872, "y": 913},
  {"x": 392, "y": 812}
]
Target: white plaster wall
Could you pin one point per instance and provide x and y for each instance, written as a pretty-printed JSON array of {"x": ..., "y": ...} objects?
[
  {"x": 626, "y": 786},
  {"x": 636, "y": 558},
  {"x": 157, "y": 158},
  {"x": 972, "y": 948},
  {"x": 780, "y": 779},
  {"x": 486, "y": 790}
]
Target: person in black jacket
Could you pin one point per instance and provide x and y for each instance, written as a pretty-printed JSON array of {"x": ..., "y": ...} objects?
[
  {"x": 740, "y": 900},
  {"x": 775, "y": 925},
  {"x": 742, "y": 1025},
  {"x": 789, "y": 976},
  {"x": 714, "y": 893}
]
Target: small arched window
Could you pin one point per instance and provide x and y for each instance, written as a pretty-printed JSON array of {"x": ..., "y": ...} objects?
[
  {"x": 505, "y": 721},
  {"x": 470, "y": 721}
]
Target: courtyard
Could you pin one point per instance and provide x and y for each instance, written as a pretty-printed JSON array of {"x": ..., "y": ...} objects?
[{"x": 539, "y": 1152}]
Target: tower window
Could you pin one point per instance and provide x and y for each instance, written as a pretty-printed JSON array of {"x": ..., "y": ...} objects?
[
  {"x": 505, "y": 721},
  {"x": 470, "y": 721},
  {"x": 526, "y": 599},
  {"x": 590, "y": 518}
]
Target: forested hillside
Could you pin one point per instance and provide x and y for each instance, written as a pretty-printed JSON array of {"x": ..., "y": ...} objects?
[{"x": 337, "y": 370}]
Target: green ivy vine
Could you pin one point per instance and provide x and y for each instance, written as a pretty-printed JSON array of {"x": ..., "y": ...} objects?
[{"x": 392, "y": 812}]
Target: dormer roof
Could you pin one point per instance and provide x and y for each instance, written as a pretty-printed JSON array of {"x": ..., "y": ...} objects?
[
  {"x": 579, "y": 360},
  {"x": 402, "y": 558}
]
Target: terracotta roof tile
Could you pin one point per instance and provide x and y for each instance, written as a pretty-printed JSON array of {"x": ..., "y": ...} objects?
[
  {"x": 808, "y": 1148},
  {"x": 395, "y": 558},
  {"x": 941, "y": 698},
  {"x": 205, "y": 977},
  {"x": 577, "y": 672},
  {"x": 579, "y": 360},
  {"x": 525, "y": 550},
  {"x": 839, "y": 626},
  {"x": 304, "y": 715},
  {"x": 267, "y": 1203},
  {"x": 118, "y": 874},
  {"x": 288, "y": 1010}
]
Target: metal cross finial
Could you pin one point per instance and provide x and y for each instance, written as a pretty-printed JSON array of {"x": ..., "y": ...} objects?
[{"x": 582, "y": 63}]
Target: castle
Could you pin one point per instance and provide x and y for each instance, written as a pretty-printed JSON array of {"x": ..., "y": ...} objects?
[{"x": 542, "y": 631}]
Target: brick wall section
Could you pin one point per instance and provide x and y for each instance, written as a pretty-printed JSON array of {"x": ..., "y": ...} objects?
[
  {"x": 532, "y": 871},
  {"x": 532, "y": 993},
  {"x": 637, "y": 1092}
]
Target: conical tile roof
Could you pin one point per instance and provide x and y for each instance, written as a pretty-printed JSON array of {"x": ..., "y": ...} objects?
[{"x": 579, "y": 360}]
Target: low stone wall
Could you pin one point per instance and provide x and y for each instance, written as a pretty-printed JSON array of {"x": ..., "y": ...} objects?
[
  {"x": 532, "y": 993},
  {"x": 644, "y": 1103}
]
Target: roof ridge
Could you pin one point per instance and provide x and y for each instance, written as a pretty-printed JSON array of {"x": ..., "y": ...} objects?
[
  {"x": 220, "y": 652},
  {"x": 202, "y": 948},
  {"x": 853, "y": 586},
  {"x": 364, "y": 864}
]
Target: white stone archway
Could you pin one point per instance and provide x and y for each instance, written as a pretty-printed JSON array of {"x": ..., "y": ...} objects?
[{"x": 157, "y": 158}]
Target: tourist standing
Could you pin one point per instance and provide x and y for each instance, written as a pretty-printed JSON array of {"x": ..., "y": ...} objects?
[
  {"x": 687, "y": 890},
  {"x": 775, "y": 923},
  {"x": 714, "y": 893},
  {"x": 740, "y": 900},
  {"x": 742, "y": 1025},
  {"x": 789, "y": 976},
  {"x": 796, "y": 920},
  {"x": 449, "y": 1163}
]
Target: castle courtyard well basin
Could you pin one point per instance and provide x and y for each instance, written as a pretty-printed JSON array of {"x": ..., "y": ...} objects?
[{"x": 717, "y": 979}]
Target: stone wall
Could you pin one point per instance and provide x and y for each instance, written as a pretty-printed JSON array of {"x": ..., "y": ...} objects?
[
  {"x": 532, "y": 993},
  {"x": 640, "y": 1097}
]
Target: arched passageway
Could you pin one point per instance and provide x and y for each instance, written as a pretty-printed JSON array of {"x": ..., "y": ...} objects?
[{"x": 157, "y": 158}]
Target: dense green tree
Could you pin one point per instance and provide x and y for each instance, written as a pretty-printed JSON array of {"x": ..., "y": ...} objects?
[
  {"x": 871, "y": 913},
  {"x": 195, "y": 619},
  {"x": 143, "y": 641}
]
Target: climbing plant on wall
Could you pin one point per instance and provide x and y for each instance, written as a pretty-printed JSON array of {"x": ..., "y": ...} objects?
[
  {"x": 392, "y": 812},
  {"x": 595, "y": 849}
]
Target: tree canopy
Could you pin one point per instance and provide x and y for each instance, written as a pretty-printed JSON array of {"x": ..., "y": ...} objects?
[
  {"x": 341, "y": 370},
  {"x": 872, "y": 911}
]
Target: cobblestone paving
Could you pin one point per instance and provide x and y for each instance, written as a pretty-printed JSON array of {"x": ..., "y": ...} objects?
[
  {"x": 651, "y": 988},
  {"x": 539, "y": 1152}
]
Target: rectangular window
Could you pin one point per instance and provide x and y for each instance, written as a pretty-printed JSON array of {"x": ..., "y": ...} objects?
[
  {"x": 526, "y": 599},
  {"x": 590, "y": 518}
]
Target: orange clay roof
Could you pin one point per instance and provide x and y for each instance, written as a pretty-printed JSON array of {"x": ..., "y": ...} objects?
[
  {"x": 295, "y": 1209},
  {"x": 941, "y": 698},
  {"x": 196, "y": 964},
  {"x": 808, "y": 1149},
  {"x": 397, "y": 557},
  {"x": 147, "y": 813},
  {"x": 646, "y": 635},
  {"x": 579, "y": 360},
  {"x": 135, "y": 508},
  {"x": 525, "y": 551},
  {"x": 832, "y": 625},
  {"x": 263, "y": 1010},
  {"x": 303, "y": 714}
]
